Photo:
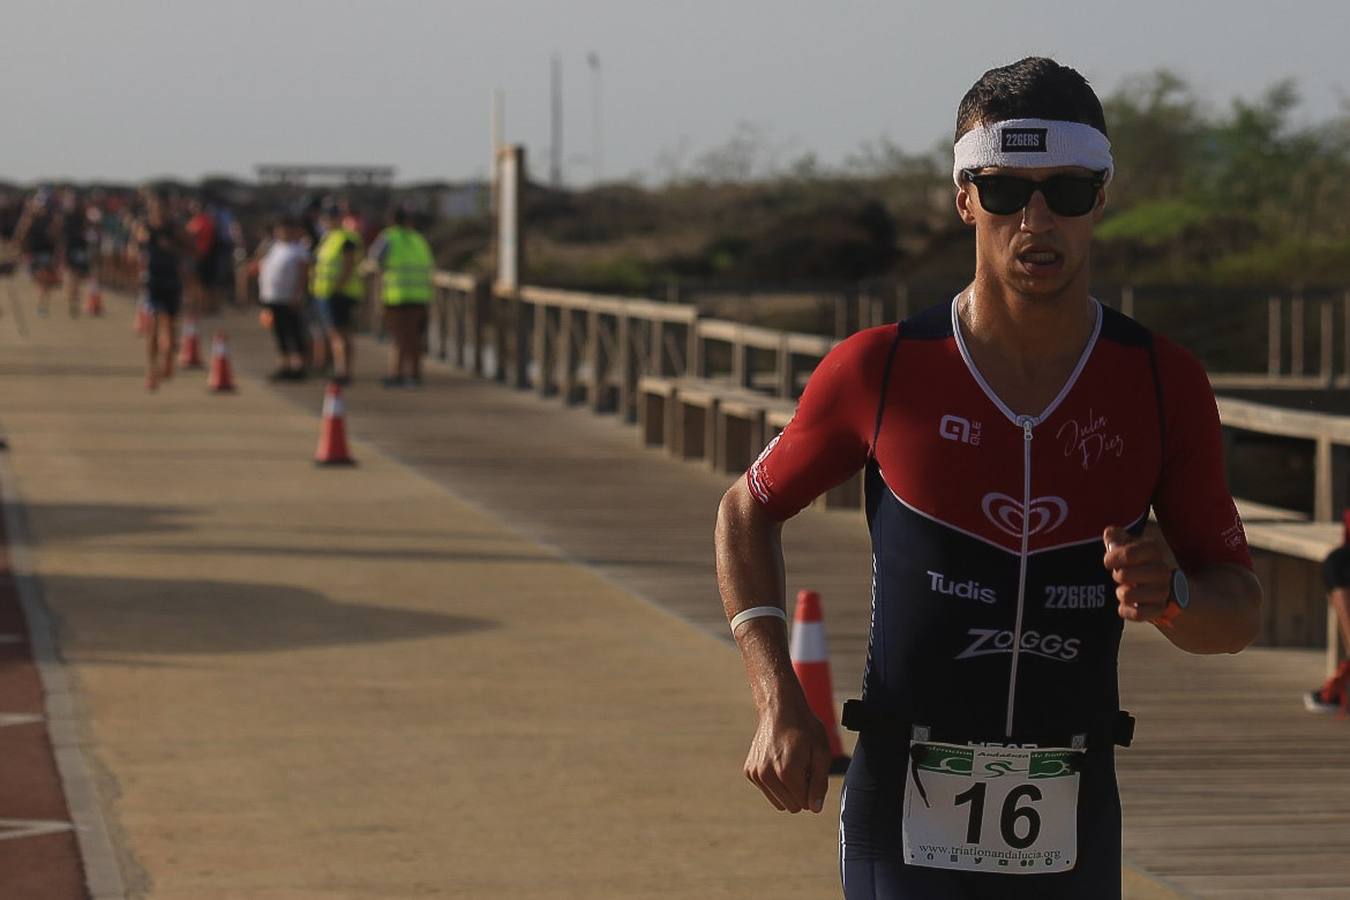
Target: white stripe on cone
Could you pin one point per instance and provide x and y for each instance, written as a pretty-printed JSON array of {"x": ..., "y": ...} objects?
[
  {"x": 334, "y": 407},
  {"x": 808, "y": 643}
]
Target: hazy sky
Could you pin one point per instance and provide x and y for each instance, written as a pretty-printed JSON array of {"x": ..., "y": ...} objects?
[{"x": 133, "y": 88}]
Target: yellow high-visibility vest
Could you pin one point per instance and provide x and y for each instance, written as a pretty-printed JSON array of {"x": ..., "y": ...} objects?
[
  {"x": 407, "y": 267},
  {"x": 328, "y": 265}
]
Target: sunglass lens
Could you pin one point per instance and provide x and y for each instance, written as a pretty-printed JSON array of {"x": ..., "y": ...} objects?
[
  {"x": 1003, "y": 196},
  {"x": 1069, "y": 195}
]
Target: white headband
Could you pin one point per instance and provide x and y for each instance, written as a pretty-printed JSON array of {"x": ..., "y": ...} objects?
[{"x": 1033, "y": 144}]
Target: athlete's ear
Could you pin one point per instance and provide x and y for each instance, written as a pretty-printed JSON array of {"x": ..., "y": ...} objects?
[{"x": 963, "y": 202}]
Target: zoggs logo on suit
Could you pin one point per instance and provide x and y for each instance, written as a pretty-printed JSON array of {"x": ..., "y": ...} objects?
[{"x": 989, "y": 641}]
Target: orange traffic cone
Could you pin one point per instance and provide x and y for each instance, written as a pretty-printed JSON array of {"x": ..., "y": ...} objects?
[
  {"x": 333, "y": 436},
  {"x": 142, "y": 318},
  {"x": 190, "y": 354},
  {"x": 93, "y": 301},
  {"x": 221, "y": 380},
  {"x": 811, "y": 662}
]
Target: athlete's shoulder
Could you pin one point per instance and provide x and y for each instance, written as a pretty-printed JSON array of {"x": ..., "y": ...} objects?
[
  {"x": 1178, "y": 368},
  {"x": 1121, "y": 329},
  {"x": 860, "y": 351},
  {"x": 933, "y": 323}
]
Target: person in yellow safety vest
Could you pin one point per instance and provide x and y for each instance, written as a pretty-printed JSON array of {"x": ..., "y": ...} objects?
[
  {"x": 406, "y": 265},
  {"x": 338, "y": 287}
]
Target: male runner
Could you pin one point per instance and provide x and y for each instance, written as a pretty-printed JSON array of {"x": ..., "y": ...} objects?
[{"x": 1014, "y": 440}]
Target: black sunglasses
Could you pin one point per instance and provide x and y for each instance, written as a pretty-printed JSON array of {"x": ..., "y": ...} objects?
[{"x": 1066, "y": 195}]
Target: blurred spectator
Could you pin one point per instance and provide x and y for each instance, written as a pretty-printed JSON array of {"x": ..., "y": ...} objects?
[
  {"x": 338, "y": 289},
  {"x": 406, "y": 265},
  {"x": 283, "y": 285}
]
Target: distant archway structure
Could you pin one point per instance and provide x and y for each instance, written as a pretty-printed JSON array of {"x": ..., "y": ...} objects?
[{"x": 300, "y": 175}]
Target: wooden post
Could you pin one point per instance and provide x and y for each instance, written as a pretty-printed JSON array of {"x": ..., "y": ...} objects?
[
  {"x": 1273, "y": 332},
  {"x": 902, "y": 301},
  {"x": 628, "y": 366},
  {"x": 520, "y": 343},
  {"x": 1328, "y": 344},
  {"x": 442, "y": 296},
  {"x": 740, "y": 364},
  {"x": 693, "y": 354},
  {"x": 1296, "y": 335},
  {"x": 784, "y": 378},
  {"x": 479, "y": 303},
  {"x": 840, "y": 317},
  {"x": 1324, "y": 509},
  {"x": 1127, "y": 300},
  {"x": 1345, "y": 318},
  {"x": 597, "y": 389},
  {"x": 567, "y": 353},
  {"x": 543, "y": 370},
  {"x": 657, "y": 365}
]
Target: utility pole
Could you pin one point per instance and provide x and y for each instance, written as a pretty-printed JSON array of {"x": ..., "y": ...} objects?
[
  {"x": 555, "y": 143},
  {"x": 593, "y": 60}
]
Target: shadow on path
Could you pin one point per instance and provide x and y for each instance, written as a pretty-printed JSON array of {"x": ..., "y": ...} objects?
[
  {"x": 89, "y": 520},
  {"x": 128, "y": 616}
]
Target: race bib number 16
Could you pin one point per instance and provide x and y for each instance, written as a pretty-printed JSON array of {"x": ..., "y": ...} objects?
[{"x": 992, "y": 809}]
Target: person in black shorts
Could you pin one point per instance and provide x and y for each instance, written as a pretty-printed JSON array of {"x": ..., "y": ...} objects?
[
  {"x": 1334, "y": 694},
  {"x": 163, "y": 246},
  {"x": 76, "y": 248},
  {"x": 38, "y": 233}
]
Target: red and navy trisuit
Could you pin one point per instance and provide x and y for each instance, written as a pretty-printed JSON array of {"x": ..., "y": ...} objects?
[{"x": 993, "y": 618}]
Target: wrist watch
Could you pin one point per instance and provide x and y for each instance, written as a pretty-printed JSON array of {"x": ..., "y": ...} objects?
[{"x": 1178, "y": 599}]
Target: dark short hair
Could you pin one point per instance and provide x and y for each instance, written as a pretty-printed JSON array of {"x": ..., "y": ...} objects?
[{"x": 1031, "y": 88}]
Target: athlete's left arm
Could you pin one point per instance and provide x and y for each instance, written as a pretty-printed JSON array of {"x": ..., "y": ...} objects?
[
  {"x": 1224, "y": 614},
  {"x": 1199, "y": 521}
]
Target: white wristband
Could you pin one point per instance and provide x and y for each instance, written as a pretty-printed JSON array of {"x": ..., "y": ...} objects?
[{"x": 756, "y": 612}]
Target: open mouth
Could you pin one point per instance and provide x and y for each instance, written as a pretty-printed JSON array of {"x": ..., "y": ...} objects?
[{"x": 1039, "y": 261}]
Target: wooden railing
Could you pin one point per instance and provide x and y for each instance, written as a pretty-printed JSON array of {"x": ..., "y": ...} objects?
[{"x": 593, "y": 349}]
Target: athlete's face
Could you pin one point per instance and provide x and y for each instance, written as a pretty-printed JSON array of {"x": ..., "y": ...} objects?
[{"x": 1034, "y": 251}]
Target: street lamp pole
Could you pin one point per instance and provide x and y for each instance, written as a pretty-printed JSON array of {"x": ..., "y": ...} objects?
[{"x": 597, "y": 158}]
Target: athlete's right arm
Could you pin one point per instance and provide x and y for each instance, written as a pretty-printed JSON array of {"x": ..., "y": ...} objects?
[
  {"x": 789, "y": 758},
  {"x": 827, "y": 441}
]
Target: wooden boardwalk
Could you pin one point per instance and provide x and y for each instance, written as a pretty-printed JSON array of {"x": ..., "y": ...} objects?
[{"x": 1231, "y": 789}]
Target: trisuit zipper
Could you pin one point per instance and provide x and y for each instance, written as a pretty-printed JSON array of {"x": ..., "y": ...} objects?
[{"x": 1027, "y": 423}]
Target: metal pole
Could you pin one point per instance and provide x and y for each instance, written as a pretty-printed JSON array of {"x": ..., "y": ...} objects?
[{"x": 593, "y": 60}]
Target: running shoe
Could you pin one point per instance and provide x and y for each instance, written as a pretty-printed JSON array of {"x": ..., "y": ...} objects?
[{"x": 1330, "y": 697}]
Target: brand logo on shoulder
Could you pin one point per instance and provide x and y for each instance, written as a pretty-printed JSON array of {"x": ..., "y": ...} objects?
[
  {"x": 971, "y": 590},
  {"x": 963, "y": 431},
  {"x": 1024, "y": 140},
  {"x": 991, "y": 641},
  {"x": 1042, "y": 516}
]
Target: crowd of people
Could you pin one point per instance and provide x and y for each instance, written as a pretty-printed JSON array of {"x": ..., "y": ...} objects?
[{"x": 189, "y": 255}]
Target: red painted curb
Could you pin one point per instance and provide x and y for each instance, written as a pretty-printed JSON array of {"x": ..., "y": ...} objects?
[{"x": 36, "y": 863}]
